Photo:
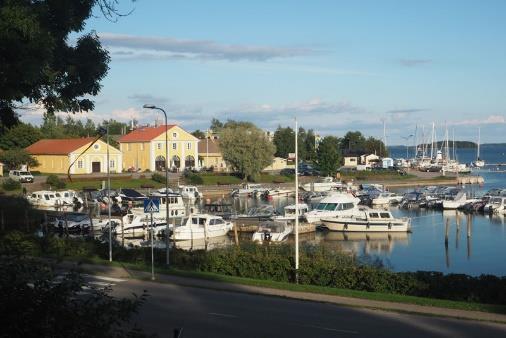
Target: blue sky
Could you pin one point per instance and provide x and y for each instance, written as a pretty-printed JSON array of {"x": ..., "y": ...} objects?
[{"x": 336, "y": 65}]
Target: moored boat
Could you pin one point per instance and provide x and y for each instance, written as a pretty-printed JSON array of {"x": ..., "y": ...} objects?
[{"x": 368, "y": 221}]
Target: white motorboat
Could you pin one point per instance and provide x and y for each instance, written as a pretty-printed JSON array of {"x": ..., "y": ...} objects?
[
  {"x": 136, "y": 225},
  {"x": 272, "y": 231},
  {"x": 68, "y": 197},
  {"x": 190, "y": 192},
  {"x": 325, "y": 184},
  {"x": 455, "y": 201},
  {"x": 289, "y": 212},
  {"x": 201, "y": 226},
  {"x": 177, "y": 208},
  {"x": 248, "y": 189},
  {"x": 496, "y": 204},
  {"x": 278, "y": 192},
  {"x": 479, "y": 163},
  {"x": 386, "y": 198},
  {"x": 368, "y": 221},
  {"x": 71, "y": 222},
  {"x": 338, "y": 204},
  {"x": 45, "y": 198}
]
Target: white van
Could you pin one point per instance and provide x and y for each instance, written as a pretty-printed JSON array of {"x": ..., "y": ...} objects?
[{"x": 21, "y": 176}]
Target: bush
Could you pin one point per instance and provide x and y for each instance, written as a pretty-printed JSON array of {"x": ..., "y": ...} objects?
[
  {"x": 193, "y": 178},
  {"x": 10, "y": 184},
  {"x": 55, "y": 182},
  {"x": 158, "y": 178}
]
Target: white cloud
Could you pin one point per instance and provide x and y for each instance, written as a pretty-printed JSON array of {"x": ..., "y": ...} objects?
[
  {"x": 128, "y": 47},
  {"x": 491, "y": 119}
]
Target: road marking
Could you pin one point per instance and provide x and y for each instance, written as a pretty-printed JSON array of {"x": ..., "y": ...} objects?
[
  {"x": 108, "y": 279},
  {"x": 221, "y": 315},
  {"x": 331, "y": 329}
]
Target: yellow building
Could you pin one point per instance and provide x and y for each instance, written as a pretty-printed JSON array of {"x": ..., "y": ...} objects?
[
  {"x": 144, "y": 148},
  {"x": 56, "y": 155},
  {"x": 210, "y": 155}
]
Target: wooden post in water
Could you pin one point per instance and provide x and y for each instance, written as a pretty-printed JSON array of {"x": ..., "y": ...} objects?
[
  {"x": 236, "y": 236},
  {"x": 447, "y": 227},
  {"x": 468, "y": 237},
  {"x": 122, "y": 234}
]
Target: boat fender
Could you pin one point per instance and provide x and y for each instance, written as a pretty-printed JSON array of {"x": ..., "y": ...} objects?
[
  {"x": 367, "y": 225},
  {"x": 345, "y": 226},
  {"x": 390, "y": 225},
  {"x": 267, "y": 236}
]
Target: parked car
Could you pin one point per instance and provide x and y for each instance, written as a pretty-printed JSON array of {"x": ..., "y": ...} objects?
[{"x": 21, "y": 176}]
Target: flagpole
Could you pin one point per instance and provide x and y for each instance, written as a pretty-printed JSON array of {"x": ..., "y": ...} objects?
[{"x": 296, "y": 203}]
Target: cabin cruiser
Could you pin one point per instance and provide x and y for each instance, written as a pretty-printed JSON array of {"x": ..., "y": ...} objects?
[
  {"x": 45, "y": 198},
  {"x": 201, "y": 226},
  {"x": 133, "y": 225},
  {"x": 325, "y": 184},
  {"x": 338, "y": 204},
  {"x": 272, "y": 231},
  {"x": 315, "y": 196},
  {"x": 386, "y": 198},
  {"x": 455, "y": 201},
  {"x": 220, "y": 208},
  {"x": 73, "y": 223},
  {"x": 177, "y": 208},
  {"x": 368, "y": 220},
  {"x": 190, "y": 192},
  {"x": 69, "y": 197},
  {"x": 248, "y": 189},
  {"x": 289, "y": 212},
  {"x": 496, "y": 204}
]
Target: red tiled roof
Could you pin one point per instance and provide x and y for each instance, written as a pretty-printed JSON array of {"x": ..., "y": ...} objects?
[
  {"x": 144, "y": 134},
  {"x": 58, "y": 146},
  {"x": 212, "y": 146}
]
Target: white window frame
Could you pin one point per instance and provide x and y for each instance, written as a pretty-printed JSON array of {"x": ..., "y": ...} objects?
[
  {"x": 188, "y": 145},
  {"x": 174, "y": 146},
  {"x": 80, "y": 164},
  {"x": 111, "y": 163}
]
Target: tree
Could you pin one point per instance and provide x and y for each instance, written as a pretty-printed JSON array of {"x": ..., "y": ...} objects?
[
  {"x": 20, "y": 136},
  {"x": 310, "y": 145},
  {"x": 15, "y": 158},
  {"x": 374, "y": 146},
  {"x": 284, "y": 140},
  {"x": 199, "y": 134},
  {"x": 353, "y": 141},
  {"x": 39, "y": 64},
  {"x": 216, "y": 125},
  {"x": 328, "y": 155},
  {"x": 246, "y": 149}
]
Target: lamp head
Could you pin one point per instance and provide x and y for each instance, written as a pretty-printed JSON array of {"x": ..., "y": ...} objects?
[{"x": 149, "y": 106}]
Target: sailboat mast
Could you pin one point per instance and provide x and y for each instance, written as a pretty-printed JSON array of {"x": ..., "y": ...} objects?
[
  {"x": 478, "y": 151},
  {"x": 432, "y": 143}
]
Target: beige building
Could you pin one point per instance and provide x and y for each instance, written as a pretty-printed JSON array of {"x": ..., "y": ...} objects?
[
  {"x": 210, "y": 155},
  {"x": 278, "y": 164},
  {"x": 56, "y": 155},
  {"x": 351, "y": 161},
  {"x": 369, "y": 159}
]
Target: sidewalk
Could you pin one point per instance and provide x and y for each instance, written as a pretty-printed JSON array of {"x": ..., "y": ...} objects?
[{"x": 118, "y": 272}]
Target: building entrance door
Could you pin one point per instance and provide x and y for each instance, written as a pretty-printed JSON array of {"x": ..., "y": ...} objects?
[{"x": 95, "y": 167}]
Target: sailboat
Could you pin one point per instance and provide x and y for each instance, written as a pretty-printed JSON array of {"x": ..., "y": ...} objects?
[{"x": 479, "y": 163}]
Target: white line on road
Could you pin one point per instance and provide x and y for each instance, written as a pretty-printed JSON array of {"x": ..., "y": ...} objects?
[
  {"x": 221, "y": 315},
  {"x": 108, "y": 279},
  {"x": 331, "y": 329}
]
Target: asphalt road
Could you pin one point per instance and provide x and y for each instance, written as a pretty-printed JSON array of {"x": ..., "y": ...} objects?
[{"x": 211, "y": 313}]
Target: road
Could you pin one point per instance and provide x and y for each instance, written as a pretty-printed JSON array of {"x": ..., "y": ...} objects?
[{"x": 212, "y": 313}]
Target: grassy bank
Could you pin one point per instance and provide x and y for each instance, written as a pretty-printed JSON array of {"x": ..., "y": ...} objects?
[
  {"x": 376, "y": 175},
  {"x": 116, "y": 183},
  {"x": 231, "y": 179}
]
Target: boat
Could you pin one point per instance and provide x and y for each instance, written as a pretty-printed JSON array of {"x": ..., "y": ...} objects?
[
  {"x": 45, "y": 198},
  {"x": 69, "y": 197},
  {"x": 220, "y": 208},
  {"x": 479, "y": 163},
  {"x": 369, "y": 220},
  {"x": 136, "y": 225},
  {"x": 272, "y": 231},
  {"x": 496, "y": 204},
  {"x": 261, "y": 213},
  {"x": 338, "y": 204},
  {"x": 73, "y": 223},
  {"x": 190, "y": 192},
  {"x": 386, "y": 198},
  {"x": 455, "y": 201},
  {"x": 201, "y": 226},
  {"x": 325, "y": 184},
  {"x": 289, "y": 212},
  {"x": 177, "y": 207},
  {"x": 248, "y": 189},
  {"x": 269, "y": 193}
]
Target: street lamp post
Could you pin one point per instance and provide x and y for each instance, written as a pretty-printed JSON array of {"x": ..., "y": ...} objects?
[
  {"x": 109, "y": 195},
  {"x": 167, "y": 239}
]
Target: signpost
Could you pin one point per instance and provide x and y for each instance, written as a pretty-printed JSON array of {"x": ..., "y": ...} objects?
[{"x": 152, "y": 205}]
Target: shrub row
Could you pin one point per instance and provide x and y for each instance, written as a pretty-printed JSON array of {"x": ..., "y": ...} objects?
[{"x": 318, "y": 266}]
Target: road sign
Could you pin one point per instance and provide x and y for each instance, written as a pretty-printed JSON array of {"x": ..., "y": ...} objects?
[{"x": 151, "y": 205}]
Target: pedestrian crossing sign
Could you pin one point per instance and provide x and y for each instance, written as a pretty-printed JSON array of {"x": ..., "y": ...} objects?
[{"x": 151, "y": 205}]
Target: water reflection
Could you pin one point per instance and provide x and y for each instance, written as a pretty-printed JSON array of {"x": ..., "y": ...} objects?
[{"x": 367, "y": 243}]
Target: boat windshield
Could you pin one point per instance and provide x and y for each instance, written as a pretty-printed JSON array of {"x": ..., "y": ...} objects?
[
  {"x": 321, "y": 206},
  {"x": 331, "y": 206},
  {"x": 496, "y": 201}
]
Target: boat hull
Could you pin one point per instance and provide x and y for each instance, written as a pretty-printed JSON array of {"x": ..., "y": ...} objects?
[{"x": 352, "y": 225}]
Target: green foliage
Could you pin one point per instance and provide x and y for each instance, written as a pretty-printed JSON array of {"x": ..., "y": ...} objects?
[
  {"x": 216, "y": 125},
  {"x": 55, "y": 182},
  {"x": 20, "y": 136},
  {"x": 14, "y": 158},
  {"x": 245, "y": 148},
  {"x": 41, "y": 64},
  {"x": 355, "y": 142},
  {"x": 193, "y": 178},
  {"x": 10, "y": 184},
  {"x": 199, "y": 134},
  {"x": 284, "y": 140},
  {"x": 328, "y": 155},
  {"x": 158, "y": 178}
]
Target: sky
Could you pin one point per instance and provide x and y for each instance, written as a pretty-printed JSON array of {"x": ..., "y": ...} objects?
[{"x": 334, "y": 65}]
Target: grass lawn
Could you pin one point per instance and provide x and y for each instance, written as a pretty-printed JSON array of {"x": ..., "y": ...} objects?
[
  {"x": 115, "y": 183},
  {"x": 376, "y": 175},
  {"x": 313, "y": 288}
]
